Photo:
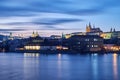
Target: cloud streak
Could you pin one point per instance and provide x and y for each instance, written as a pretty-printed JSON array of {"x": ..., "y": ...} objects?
[
  {"x": 32, "y": 11},
  {"x": 24, "y": 8}
]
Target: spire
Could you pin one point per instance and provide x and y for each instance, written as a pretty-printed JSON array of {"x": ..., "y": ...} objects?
[
  {"x": 93, "y": 25},
  {"x": 114, "y": 30},
  {"x": 63, "y": 36},
  {"x": 36, "y": 33},
  {"x": 10, "y": 34},
  {"x": 89, "y": 24},
  {"x": 33, "y": 34},
  {"x": 111, "y": 30}
]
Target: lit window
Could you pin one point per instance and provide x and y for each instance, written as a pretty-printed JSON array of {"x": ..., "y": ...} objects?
[
  {"x": 95, "y": 45},
  {"x": 95, "y": 39},
  {"x": 87, "y": 45},
  {"x": 78, "y": 42},
  {"x": 92, "y": 46},
  {"x": 86, "y": 39},
  {"x": 32, "y": 47},
  {"x": 37, "y": 47}
]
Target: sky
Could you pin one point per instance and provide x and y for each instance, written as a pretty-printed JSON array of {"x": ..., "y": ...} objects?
[{"x": 57, "y": 16}]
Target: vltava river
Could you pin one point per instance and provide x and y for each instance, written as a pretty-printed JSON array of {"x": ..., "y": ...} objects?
[{"x": 34, "y": 66}]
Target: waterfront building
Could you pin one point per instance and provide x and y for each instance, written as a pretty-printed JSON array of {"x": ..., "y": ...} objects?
[
  {"x": 86, "y": 43},
  {"x": 38, "y": 43}
]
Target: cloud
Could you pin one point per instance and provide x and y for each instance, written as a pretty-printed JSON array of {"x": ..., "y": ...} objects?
[
  {"x": 12, "y": 30},
  {"x": 72, "y": 7},
  {"x": 44, "y": 13},
  {"x": 47, "y": 21},
  {"x": 56, "y": 21}
]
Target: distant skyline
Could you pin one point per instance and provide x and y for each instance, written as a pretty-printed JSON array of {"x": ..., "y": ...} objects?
[{"x": 62, "y": 15}]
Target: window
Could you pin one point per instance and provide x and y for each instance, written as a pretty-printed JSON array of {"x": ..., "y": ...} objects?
[
  {"x": 88, "y": 46},
  {"x": 95, "y": 39},
  {"x": 86, "y": 39},
  {"x": 78, "y": 43},
  {"x": 95, "y": 45},
  {"x": 92, "y": 46}
]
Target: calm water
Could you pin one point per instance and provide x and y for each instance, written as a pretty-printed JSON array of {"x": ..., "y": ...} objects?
[{"x": 30, "y": 66}]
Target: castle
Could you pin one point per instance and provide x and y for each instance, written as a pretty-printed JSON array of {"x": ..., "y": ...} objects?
[{"x": 89, "y": 28}]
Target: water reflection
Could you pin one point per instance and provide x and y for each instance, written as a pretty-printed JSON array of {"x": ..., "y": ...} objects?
[
  {"x": 59, "y": 65},
  {"x": 115, "y": 68},
  {"x": 31, "y": 66},
  {"x": 95, "y": 65},
  {"x": 31, "y": 54},
  {"x": 59, "y": 56}
]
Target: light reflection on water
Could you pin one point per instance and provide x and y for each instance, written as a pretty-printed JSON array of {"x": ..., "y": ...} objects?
[
  {"x": 95, "y": 65},
  {"x": 35, "y": 66},
  {"x": 115, "y": 68},
  {"x": 31, "y": 54}
]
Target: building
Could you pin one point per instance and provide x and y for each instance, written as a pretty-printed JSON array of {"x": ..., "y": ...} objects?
[
  {"x": 75, "y": 33},
  {"x": 43, "y": 44},
  {"x": 93, "y": 30},
  {"x": 35, "y": 34},
  {"x": 55, "y": 37},
  {"x": 10, "y": 37},
  {"x": 111, "y": 34},
  {"x": 106, "y": 35},
  {"x": 86, "y": 43}
]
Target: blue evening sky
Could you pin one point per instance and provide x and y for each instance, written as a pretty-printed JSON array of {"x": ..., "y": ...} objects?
[{"x": 59, "y": 15}]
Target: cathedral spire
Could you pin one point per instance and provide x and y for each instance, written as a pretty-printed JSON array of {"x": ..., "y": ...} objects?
[
  {"x": 114, "y": 30},
  {"x": 88, "y": 28},
  {"x": 111, "y": 30},
  {"x": 93, "y": 25},
  {"x": 89, "y": 24}
]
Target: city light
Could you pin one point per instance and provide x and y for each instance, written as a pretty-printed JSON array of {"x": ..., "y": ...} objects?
[{"x": 32, "y": 47}]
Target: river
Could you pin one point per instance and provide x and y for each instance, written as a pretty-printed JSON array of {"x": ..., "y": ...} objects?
[{"x": 35, "y": 66}]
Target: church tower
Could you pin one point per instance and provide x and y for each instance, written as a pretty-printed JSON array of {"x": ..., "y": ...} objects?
[
  {"x": 111, "y": 30},
  {"x": 35, "y": 34},
  {"x": 88, "y": 28}
]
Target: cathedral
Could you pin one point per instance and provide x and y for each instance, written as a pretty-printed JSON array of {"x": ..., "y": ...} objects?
[
  {"x": 35, "y": 34},
  {"x": 89, "y": 28}
]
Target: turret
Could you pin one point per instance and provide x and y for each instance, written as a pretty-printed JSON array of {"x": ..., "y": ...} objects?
[
  {"x": 111, "y": 30},
  {"x": 88, "y": 28},
  {"x": 114, "y": 30},
  {"x": 35, "y": 34},
  {"x": 90, "y": 25}
]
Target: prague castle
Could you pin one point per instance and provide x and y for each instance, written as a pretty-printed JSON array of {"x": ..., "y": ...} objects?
[{"x": 90, "y": 29}]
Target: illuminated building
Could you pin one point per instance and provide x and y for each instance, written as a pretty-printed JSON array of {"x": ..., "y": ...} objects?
[
  {"x": 34, "y": 43},
  {"x": 67, "y": 36},
  {"x": 34, "y": 47},
  {"x": 35, "y": 34},
  {"x": 94, "y": 29},
  {"x": 112, "y": 34},
  {"x": 106, "y": 35},
  {"x": 86, "y": 43}
]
